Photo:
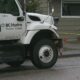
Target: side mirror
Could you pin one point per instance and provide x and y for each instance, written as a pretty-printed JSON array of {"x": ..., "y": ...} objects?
[{"x": 20, "y": 18}]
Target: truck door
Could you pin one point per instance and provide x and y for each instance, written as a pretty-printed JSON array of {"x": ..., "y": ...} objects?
[{"x": 12, "y": 24}]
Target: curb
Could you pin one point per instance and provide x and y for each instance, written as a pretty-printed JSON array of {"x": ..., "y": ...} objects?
[{"x": 70, "y": 55}]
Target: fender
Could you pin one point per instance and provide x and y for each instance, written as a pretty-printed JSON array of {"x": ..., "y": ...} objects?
[
  {"x": 51, "y": 29},
  {"x": 27, "y": 39},
  {"x": 34, "y": 28}
]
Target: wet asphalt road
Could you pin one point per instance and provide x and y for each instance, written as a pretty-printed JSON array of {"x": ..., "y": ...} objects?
[{"x": 65, "y": 69}]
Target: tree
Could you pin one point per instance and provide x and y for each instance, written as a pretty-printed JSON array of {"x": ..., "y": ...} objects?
[{"x": 32, "y": 5}]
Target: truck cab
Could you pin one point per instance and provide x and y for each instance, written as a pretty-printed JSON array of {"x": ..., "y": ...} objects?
[
  {"x": 21, "y": 38},
  {"x": 11, "y": 27}
]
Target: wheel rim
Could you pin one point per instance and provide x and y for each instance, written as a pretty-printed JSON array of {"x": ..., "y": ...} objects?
[{"x": 46, "y": 54}]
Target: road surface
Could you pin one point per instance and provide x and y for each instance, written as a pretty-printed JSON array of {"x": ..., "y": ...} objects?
[{"x": 65, "y": 69}]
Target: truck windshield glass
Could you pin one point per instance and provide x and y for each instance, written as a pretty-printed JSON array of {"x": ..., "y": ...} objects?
[{"x": 9, "y": 6}]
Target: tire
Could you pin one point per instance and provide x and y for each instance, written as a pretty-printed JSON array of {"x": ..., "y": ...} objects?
[
  {"x": 15, "y": 63},
  {"x": 44, "y": 54}
]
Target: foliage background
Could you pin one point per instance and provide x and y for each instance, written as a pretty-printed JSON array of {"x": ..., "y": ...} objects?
[{"x": 32, "y": 5}]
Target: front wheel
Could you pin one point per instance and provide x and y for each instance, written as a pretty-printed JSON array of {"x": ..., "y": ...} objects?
[{"x": 44, "y": 54}]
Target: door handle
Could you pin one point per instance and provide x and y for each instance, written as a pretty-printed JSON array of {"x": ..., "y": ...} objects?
[
  {"x": 28, "y": 22},
  {"x": 20, "y": 18}
]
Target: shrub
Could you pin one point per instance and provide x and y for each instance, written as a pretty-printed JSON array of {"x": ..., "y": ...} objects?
[{"x": 32, "y": 5}]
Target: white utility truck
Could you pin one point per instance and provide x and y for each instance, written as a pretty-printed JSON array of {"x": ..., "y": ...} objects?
[{"x": 27, "y": 36}]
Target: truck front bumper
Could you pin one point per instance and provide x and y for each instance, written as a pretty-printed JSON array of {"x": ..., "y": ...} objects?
[{"x": 59, "y": 46}]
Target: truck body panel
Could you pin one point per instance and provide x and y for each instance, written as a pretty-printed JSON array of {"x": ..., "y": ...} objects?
[
  {"x": 25, "y": 35},
  {"x": 10, "y": 27}
]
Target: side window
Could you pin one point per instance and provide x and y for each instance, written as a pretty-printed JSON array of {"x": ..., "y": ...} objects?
[
  {"x": 12, "y": 8},
  {"x": 2, "y": 8},
  {"x": 34, "y": 18},
  {"x": 9, "y": 6}
]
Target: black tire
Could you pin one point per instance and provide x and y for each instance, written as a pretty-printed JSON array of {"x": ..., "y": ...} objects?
[
  {"x": 35, "y": 54},
  {"x": 15, "y": 63}
]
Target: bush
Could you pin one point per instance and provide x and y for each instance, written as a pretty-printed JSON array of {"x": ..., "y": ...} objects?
[{"x": 32, "y": 5}]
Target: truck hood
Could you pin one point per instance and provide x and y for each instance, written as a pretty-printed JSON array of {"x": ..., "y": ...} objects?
[{"x": 44, "y": 20}]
